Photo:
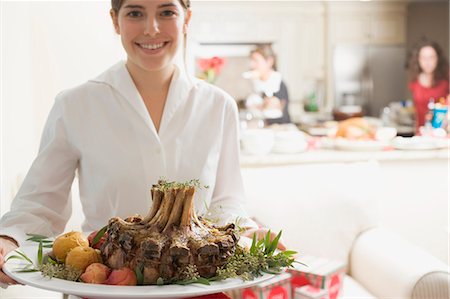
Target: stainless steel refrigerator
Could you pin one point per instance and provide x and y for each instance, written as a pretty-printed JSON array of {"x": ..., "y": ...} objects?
[{"x": 371, "y": 76}]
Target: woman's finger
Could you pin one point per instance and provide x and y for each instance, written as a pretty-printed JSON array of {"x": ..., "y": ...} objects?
[{"x": 6, "y": 279}]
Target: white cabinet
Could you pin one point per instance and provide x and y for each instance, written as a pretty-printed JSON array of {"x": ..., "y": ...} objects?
[
  {"x": 388, "y": 28},
  {"x": 367, "y": 23}
]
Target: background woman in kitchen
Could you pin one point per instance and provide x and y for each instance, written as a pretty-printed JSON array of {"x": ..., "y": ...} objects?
[
  {"x": 270, "y": 96},
  {"x": 138, "y": 121},
  {"x": 428, "y": 77}
]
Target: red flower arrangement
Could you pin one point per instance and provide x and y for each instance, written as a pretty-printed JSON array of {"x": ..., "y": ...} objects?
[{"x": 210, "y": 68}]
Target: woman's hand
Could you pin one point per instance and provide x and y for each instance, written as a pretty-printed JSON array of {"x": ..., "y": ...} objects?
[
  {"x": 272, "y": 103},
  {"x": 5, "y": 247},
  {"x": 261, "y": 234}
]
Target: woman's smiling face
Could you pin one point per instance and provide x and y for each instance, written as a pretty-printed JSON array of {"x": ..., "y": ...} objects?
[{"x": 151, "y": 31}]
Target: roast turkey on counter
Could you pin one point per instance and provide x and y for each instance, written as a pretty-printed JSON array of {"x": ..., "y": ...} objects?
[{"x": 170, "y": 239}]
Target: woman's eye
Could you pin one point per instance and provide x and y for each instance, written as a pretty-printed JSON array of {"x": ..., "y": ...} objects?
[
  {"x": 168, "y": 13},
  {"x": 134, "y": 14}
]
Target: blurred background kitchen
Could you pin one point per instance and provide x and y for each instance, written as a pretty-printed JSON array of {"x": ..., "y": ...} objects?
[{"x": 338, "y": 60}]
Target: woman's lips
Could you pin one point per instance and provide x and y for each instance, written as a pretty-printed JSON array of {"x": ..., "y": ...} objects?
[{"x": 152, "y": 48}]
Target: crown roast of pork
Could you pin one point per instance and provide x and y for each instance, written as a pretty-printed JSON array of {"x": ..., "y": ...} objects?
[{"x": 169, "y": 239}]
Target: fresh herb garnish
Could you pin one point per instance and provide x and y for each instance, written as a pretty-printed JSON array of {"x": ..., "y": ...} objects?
[
  {"x": 165, "y": 185},
  {"x": 139, "y": 274},
  {"x": 99, "y": 235}
]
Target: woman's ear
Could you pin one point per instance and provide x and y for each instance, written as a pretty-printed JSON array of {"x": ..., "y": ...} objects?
[
  {"x": 115, "y": 20},
  {"x": 187, "y": 19}
]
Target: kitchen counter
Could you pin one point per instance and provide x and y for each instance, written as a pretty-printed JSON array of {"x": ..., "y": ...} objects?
[{"x": 327, "y": 156}]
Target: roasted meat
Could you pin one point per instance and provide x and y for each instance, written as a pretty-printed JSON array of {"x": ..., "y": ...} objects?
[{"x": 170, "y": 240}]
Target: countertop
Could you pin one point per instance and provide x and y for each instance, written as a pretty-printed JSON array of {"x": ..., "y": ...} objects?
[{"x": 330, "y": 155}]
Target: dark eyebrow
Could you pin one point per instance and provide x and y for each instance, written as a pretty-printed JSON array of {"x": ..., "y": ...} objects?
[
  {"x": 141, "y": 7},
  {"x": 133, "y": 6},
  {"x": 167, "y": 5}
]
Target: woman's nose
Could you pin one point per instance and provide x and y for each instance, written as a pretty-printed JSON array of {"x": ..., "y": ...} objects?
[{"x": 151, "y": 27}]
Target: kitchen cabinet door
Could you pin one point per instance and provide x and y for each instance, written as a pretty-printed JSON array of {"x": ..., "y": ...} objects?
[
  {"x": 348, "y": 28},
  {"x": 367, "y": 24},
  {"x": 388, "y": 29}
]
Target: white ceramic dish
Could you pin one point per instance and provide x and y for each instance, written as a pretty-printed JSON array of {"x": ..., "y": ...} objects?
[
  {"x": 289, "y": 142},
  {"x": 359, "y": 145},
  {"x": 257, "y": 141},
  {"x": 94, "y": 291},
  {"x": 419, "y": 143}
]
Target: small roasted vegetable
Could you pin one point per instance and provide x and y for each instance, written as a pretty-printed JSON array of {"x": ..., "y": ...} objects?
[
  {"x": 66, "y": 242},
  {"x": 123, "y": 277},
  {"x": 81, "y": 257},
  {"x": 96, "y": 273}
]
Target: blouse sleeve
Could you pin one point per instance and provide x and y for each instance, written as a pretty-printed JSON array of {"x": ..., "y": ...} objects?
[
  {"x": 43, "y": 203},
  {"x": 227, "y": 204}
]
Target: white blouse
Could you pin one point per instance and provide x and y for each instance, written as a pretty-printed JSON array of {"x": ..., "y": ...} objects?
[{"x": 103, "y": 130}]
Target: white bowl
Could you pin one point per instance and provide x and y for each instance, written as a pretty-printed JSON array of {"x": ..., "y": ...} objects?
[
  {"x": 385, "y": 133},
  {"x": 289, "y": 142},
  {"x": 257, "y": 141}
]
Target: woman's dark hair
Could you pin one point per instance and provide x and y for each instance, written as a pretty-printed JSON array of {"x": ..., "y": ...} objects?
[
  {"x": 117, "y": 4},
  {"x": 441, "y": 71},
  {"x": 266, "y": 51}
]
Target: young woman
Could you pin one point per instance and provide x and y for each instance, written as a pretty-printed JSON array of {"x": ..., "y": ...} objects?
[
  {"x": 428, "y": 71},
  {"x": 138, "y": 121},
  {"x": 268, "y": 84}
]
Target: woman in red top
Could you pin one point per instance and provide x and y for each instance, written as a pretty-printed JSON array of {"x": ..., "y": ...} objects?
[{"x": 428, "y": 70}]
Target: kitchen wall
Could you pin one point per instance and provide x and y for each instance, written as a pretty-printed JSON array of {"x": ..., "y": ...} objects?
[
  {"x": 46, "y": 47},
  {"x": 430, "y": 19}
]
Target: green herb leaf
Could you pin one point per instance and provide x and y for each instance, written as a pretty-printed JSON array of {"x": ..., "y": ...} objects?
[
  {"x": 15, "y": 257},
  {"x": 202, "y": 280},
  {"x": 99, "y": 235},
  {"x": 267, "y": 242},
  {"x": 39, "y": 239},
  {"x": 24, "y": 256},
  {"x": 260, "y": 243},
  {"x": 139, "y": 275},
  {"x": 34, "y": 236},
  {"x": 26, "y": 270},
  {"x": 274, "y": 244},
  {"x": 39, "y": 254},
  {"x": 253, "y": 247},
  {"x": 289, "y": 252},
  {"x": 48, "y": 259},
  {"x": 160, "y": 281}
]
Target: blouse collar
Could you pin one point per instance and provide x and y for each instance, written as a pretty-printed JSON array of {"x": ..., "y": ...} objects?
[{"x": 120, "y": 79}]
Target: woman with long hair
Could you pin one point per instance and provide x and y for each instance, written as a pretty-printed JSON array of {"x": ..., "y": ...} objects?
[{"x": 428, "y": 77}]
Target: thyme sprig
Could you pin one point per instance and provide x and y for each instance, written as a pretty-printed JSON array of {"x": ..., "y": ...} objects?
[{"x": 163, "y": 184}]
